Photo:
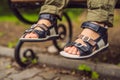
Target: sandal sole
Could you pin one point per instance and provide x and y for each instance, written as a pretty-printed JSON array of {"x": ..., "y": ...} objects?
[
  {"x": 70, "y": 56},
  {"x": 52, "y": 37}
]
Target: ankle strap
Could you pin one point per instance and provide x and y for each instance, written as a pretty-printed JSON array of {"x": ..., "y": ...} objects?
[
  {"x": 97, "y": 28},
  {"x": 52, "y": 18}
]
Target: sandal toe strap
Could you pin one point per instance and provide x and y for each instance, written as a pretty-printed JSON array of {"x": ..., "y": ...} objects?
[
  {"x": 41, "y": 33},
  {"x": 84, "y": 50},
  {"x": 70, "y": 44}
]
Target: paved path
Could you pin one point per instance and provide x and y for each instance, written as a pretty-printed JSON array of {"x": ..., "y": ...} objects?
[{"x": 9, "y": 70}]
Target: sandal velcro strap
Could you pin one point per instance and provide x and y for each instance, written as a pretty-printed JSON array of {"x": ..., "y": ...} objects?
[
  {"x": 41, "y": 33},
  {"x": 97, "y": 28},
  {"x": 70, "y": 44},
  {"x": 81, "y": 47},
  {"x": 30, "y": 29},
  {"x": 84, "y": 50},
  {"x": 52, "y": 18},
  {"x": 78, "y": 45},
  {"x": 41, "y": 26}
]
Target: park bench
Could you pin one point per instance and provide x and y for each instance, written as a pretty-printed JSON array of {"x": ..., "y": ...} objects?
[
  {"x": 15, "y": 5},
  {"x": 33, "y": 4},
  {"x": 72, "y": 3}
]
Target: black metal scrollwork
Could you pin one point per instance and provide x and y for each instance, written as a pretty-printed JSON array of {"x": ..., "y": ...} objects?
[{"x": 26, "y": 58}]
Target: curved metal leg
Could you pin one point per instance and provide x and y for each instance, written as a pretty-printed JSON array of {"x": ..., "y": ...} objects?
[
  {"x": 65, "y": 33},
  {"x": 24, "y": 59},
  {"x": 27, "y": 57},
  {"x": 19, "y": 14}
]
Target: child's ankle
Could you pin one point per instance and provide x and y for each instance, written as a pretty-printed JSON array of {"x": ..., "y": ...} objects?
[{"x": 100, "y": 24}]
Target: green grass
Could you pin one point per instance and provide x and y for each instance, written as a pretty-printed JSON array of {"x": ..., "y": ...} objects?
[
  {"x": 12, "y": 44},
  {"x": 10, "y": 18},
  {"x": 94, "y": 75},
  {"x": 13, "y": 18},
  {"x": 34, "y": 17}
]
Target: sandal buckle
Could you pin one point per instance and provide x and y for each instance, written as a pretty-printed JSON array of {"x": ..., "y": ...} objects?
[
  {"x": 78, "y": 45},
  {"x": 87, "y": 39},
  {"x": 84, "y": 38},
  {"x": 29, "y": 30},
  {"x": 33, "y": 26}
]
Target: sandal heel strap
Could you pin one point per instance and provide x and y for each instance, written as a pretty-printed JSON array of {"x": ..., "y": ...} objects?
[{"x": 97, "y": 28}]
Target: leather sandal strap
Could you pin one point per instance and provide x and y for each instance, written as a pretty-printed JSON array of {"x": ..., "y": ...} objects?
[
  {"x": 51, "y": 17},
  {"x": 41, "y": 33},
  {"x": 84, "y": 50},
  {"x": 43, "y": 27},
  {"x": 97, "y": 28}
]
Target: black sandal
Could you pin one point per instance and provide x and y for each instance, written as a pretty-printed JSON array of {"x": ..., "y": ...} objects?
[
  {"x": 87, "y": 51},
  {"x": 46, "y": 33}
]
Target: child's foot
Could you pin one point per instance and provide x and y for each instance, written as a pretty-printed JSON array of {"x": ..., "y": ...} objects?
[
  {"x": 86, "y": 32},
  {"x": 87, "y": 42},
  {"x": 42, "y": 28}
]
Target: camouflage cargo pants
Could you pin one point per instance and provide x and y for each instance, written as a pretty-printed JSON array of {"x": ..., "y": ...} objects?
[{"x": 98, "y": 10}]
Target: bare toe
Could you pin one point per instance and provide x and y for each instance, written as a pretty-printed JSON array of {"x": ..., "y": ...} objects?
[
  {"x": 74, "y": 50},
  {"x": 78, "y": 53},
  {"x": 66, "y": 49},
  {"x": 27, "y": 35},
  {"x": 33, "y": 35},
  {"x": 71, "y": 50}
]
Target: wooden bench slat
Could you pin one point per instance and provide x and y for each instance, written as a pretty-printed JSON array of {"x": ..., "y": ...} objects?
[
  {"x": 72, "y": 3},
  {"x": 18, "y": 1},
  {"x": 29, "y": 1}
]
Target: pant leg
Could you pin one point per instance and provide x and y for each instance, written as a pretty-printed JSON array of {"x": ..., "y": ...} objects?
[
  {"x": 54, "y": 7},
  {"x": 101, "y": 11}
]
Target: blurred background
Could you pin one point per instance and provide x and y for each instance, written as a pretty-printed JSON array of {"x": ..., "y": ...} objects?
[{"x": 11, "y": 29}]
